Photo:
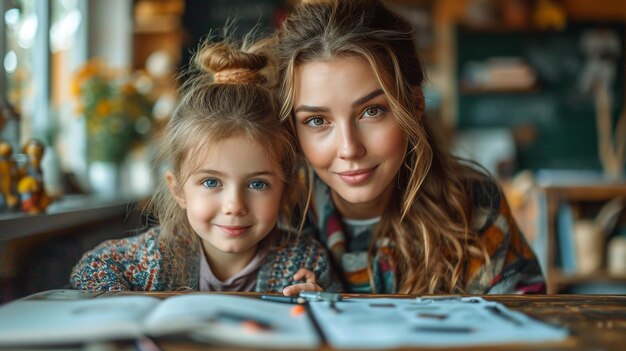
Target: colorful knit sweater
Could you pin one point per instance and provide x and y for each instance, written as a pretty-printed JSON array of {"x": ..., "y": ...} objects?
[
  {"x": 513, "y": 268},
  {"x": 144, "y": 263}
]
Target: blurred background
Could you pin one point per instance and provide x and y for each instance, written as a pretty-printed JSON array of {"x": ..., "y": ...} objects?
[{"x": 531, "y": 89}]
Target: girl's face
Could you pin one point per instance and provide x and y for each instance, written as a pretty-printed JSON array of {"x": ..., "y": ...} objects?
[
  {"x": 232, "y": 200},
  {"x": 348, "y": 133}
]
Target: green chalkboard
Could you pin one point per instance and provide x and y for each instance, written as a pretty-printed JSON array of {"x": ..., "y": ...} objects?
[{"x": 562, "y": 115}]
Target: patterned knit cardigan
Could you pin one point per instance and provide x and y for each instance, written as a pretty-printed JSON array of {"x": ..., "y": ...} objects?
[{"x": 144, "y": 263}]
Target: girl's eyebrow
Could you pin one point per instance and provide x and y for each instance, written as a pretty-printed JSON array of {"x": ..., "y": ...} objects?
[
  {"x": 356, "y": 103},
  {"x": 222, "y": 174}
]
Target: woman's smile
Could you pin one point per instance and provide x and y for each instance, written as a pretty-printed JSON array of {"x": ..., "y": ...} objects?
[{"x": 357, "y": 177}]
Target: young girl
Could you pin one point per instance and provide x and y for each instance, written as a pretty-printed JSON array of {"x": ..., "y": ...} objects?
[
  {"x": 398, "y": 212},
  {"x": 229, "y": 166}
]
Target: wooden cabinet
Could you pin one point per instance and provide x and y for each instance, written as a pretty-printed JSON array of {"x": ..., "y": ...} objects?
[{"x": 586, "y": 198}]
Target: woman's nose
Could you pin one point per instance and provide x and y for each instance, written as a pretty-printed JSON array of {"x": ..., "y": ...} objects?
[{"x": 350, "y": 145}]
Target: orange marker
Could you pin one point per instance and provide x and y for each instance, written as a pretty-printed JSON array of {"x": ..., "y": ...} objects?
[
  {"x": 251, "y": 326},
  {"x": 297, "y": 310}
]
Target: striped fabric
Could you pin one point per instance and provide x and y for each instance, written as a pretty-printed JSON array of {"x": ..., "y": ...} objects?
[{"x": 513, "y": 267}]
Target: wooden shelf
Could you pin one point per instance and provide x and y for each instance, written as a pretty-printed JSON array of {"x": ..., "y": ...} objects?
[
  {"x": 589, "y": 192},
  {"x": 37, "y": 252},
  {"x": 465, "y": 90},
  {"x": 577, "y": 192},
  {"x": 562, "y": 278},
  {"x": 71, "y": 211}
]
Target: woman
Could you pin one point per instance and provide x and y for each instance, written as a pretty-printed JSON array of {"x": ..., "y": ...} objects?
[{"x": 397, "y": 211}]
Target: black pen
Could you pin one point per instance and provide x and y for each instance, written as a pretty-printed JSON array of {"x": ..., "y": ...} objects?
[{"x": 283, "y": 299}]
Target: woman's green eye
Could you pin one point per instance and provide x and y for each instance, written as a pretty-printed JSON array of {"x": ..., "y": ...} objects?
[
  {"x": 373, "y": 111},
  {"x": 315, "y": 121}
]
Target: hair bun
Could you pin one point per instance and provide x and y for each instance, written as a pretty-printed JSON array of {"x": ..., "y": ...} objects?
[
  {"x": 316, "y": 2},
  {"x": 230, "y": 64}
]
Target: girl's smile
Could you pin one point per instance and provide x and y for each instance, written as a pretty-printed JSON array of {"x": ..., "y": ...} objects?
[{"x": 234, "y": 231}]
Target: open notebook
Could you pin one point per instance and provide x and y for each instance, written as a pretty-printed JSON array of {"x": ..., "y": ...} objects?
[
  {"x": 68, "y": 317},
  {"x": 218, "y": 318}
]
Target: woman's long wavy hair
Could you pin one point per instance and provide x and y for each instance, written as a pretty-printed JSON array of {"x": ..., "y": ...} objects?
[
  {"x": 210, "y": 111},
  {"x": 430, "y": 213}
]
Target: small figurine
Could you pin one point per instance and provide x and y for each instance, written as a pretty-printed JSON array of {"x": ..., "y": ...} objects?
[
  {"x": 549, "y": 15},
  {"x": 30, "y": 187},
  {"x": 8, "y": 176}
]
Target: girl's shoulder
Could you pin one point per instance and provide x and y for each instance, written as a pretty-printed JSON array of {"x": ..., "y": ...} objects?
[
  {"x": 143, "y": 241},
  {"x": 119, "y": 264},
  {"x": 142, "y": 245},
  {"x": 288, "y": 253},
  {"x": 292, "y": 242}
]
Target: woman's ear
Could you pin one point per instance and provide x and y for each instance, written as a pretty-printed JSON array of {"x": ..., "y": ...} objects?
[{"x": 175, "y": 190}]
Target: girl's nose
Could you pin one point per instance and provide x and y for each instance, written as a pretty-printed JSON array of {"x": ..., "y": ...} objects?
[{"x": 234, "y": 204}]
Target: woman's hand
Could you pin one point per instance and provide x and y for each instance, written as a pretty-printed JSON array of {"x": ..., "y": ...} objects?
[{"x": 310, "y": 283}]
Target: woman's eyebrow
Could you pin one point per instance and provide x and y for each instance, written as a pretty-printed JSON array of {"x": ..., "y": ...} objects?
[
  {"x": 356, "y": 103},
  {"x": 366, "y": 98},
  {"x": 314, "y": 109}
]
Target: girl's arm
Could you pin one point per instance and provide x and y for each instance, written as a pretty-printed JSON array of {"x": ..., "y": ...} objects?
[
  {"x": 316, "y": 270},
  {"x": 132, "y": 263},
  {"x": 101, "y": 269}
]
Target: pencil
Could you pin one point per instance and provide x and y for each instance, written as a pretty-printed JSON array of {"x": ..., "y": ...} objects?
[{"x": 282, "y": 299}]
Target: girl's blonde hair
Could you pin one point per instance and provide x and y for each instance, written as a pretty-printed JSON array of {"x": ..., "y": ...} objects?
[
  {"x": 225, "y": 96},
  {"x": 429, "y": 215}
]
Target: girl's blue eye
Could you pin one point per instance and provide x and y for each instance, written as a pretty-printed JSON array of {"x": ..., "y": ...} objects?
[
  {"x": 211, "y": 183},
  {"x": 374, "y": 111},
  {"x": 315, "y": 122},
  {"x": 258, "y": 185}
]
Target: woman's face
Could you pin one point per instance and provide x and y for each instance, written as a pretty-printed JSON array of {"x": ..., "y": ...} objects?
[{"x": 348, "y": 132}]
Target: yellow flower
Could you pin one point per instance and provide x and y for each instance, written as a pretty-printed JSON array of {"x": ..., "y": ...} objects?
[
  {"x": 104, "y": 108},
  {"x": 128, "y": 89},
  {"x": 111, "y": 104}
]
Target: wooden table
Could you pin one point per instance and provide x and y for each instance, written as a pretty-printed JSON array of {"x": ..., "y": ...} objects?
[{"x": 596, "y": 322}]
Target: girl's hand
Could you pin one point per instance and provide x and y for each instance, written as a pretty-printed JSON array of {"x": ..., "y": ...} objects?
[{"x": 310, "y": 283}]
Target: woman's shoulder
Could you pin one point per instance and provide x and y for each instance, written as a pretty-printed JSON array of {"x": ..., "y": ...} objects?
[
  {"x": 489, "y": 207},
  {"x": 484, "y": 190}
]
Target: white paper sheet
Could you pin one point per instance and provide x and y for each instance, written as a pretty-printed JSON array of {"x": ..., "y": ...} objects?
[{"x": 390, "y": 323}]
